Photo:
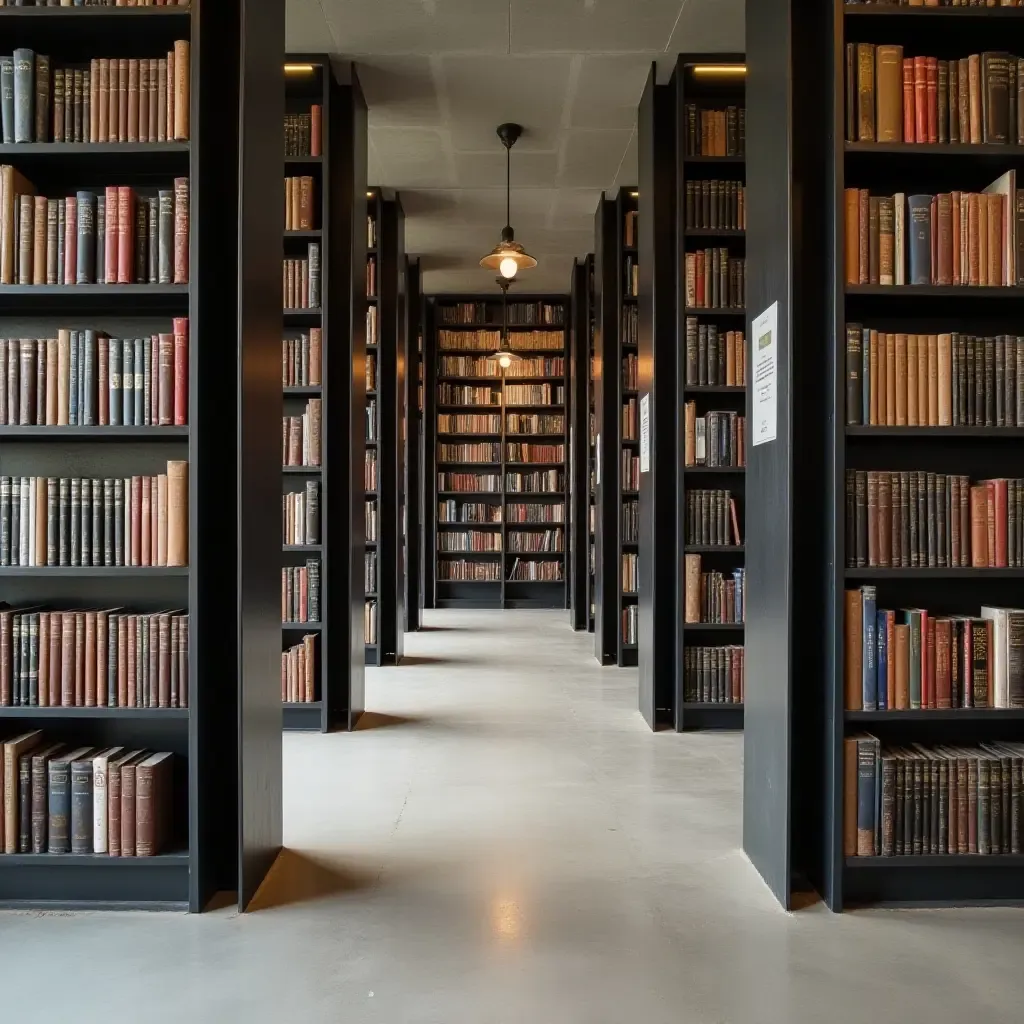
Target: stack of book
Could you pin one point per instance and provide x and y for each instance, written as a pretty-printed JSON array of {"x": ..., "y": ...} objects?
[
  {"x": 301, "y": 280},
  {"x": 298, "y": 671},
  {"x": 715, "y": 205},
  {"x": 300, "y": 592},
  {"x": 300, "y": 203},
  {"x": 300, "y": 436},
  {"x": 301, "y": 359},
  {"x": 301, "y": 515},
  {"x": 302, "y": 132},
  {"x": 711, "y": 132}
]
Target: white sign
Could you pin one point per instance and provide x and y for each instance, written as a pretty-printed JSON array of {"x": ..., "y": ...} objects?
[
  {"x": 597, "y": 460},
  {"x": 764, "y": 343},
  {"x": 645, "y": 434}
]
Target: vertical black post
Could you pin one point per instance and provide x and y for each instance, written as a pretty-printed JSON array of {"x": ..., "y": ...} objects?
[
  {"x": 660, "y": 563},
  {"x": 400, "y": 419},
  {"x": 577, "y": 536},
  {"x": 260, "y": 225},
  {"x": 429, "y": 487},
  {"x": 789, "y": 98},
  {"x": 413, "y": 446},
  {"x": 607, "y": 370}
]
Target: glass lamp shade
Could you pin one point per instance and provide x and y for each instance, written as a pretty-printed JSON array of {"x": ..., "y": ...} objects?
[
  {"x": 508, "y": 251},
  {"x": 505, "y": 358}
]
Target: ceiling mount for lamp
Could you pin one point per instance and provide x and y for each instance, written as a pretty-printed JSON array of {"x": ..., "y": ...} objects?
[{"x": 508, "y": 256}]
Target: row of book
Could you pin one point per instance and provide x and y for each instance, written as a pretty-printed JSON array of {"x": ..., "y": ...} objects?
[
  {"x": 631, "y": 276},
  {"x": 469, "y": 540},
  {"x": 489, "y": 341},
  {"x": 534, "y": 394},
  {"x": 300, "y": 203},
  {"x": 370, "y": 515},
  {"x": 630, "y": 420},
  {"x": 630, "y": 572},
  {"x": 300, "y": 436},
  {"x": 630, "y": 621},
  {"x": 935, "y": 3},
  {"x": 452, "y": 511},
  {"x": 137, "y": 520},
  {"x": 521, "y": 512},
  {"x": 476, "y": 366},
  {"x": 300, "y": 592},
  {"x": 84, "y": 378},
  {"x": 300, "y": 280},
  {"x": 93, "y": 658},
  {"x": 955, "y": 238},
  {"x": 534, "y": 423},
  {"x": 934, "y": 380},
  {"x": 536, "y": 540},
  {"x": 630, "y": 326},
  {"x": 893, "y": 98},
  {"x": 630, "y": 472},
  {"x": 715, "y": 205},
  {"x": 118, "y": 236},
  {"x": 710, "y": 132},
  {"x": 714, "y": 439},
  {"x": 630, "y": 369},
  {"x": 915, "y": 518},
  {"x": 541, "y": 481},
  {"x": 465, "y": 394},
  {"x": 913, "y": 800},
  {"x": 483, "y": 451},
  {"x": 117, "y": 99},
  {"x": 712, "y": 597},
  {"x": 370, "y": 418},
  {"x": 370, "y": 622},
  {"x": 468, "y": 423},
  {"x": 298, "y": 672},
  {"x": 715, "y": 280},
  {"x": 371, "y": 276},
  {"x": 63, "y": 799},
  {"x": 369, "y": 572},
  {"x": 518, "y": 451},
  {"x": 712, "y": 519},
  {"x": 301, "y": 359},
  {"x": 94, "y": 3},
  {"x": 630, "y": 522},
  {"x": 469, "y": 482},
  {"x": 370, "y": 470},
  {"x": 303, "y": 132},
  {"x": 714, "y": 675},
  {"x": 521, "y": 314},
  {"x": 462, "y": 571},
  {"x": 301, "y": 515},
  {"x": 540, "y": 570},
  {"x": 714, "y": 357},
  {"x": 911, "y": 658}
]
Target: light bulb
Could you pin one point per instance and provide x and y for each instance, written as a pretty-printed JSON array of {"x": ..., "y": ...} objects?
[
  {"x": 508, "y": 267},
  {"x": 505, "y": 360}
]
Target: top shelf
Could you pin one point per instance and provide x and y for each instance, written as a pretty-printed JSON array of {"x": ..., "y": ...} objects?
[
  {"x": 169, "y": 11},
  {"x": 497, "y": 325},
  {"x": 892, "y": 10}
]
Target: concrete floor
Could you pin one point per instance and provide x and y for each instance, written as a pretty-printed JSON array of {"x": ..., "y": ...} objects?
[{"x": 506, "y": 843}]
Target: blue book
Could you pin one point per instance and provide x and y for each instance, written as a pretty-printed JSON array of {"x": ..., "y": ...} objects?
[
  {"x": 114, "y": 381},
  {"x": 869, "y": 674},
  {"x": 867, "y": 800},
  {"x": 128, "y": 383},
  {"x": 73, "y": 382},
  {"x": 89, "y": 378},
  {"x": 881, "y": 623},
  {"x": 919, "y": 238},
  {"x": 140, "y": 380}
]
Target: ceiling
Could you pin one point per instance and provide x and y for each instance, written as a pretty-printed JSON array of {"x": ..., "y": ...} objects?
[{"x": 440, "y": 75}]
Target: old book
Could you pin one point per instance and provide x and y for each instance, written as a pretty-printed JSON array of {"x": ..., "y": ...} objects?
[
  {"x": 852, "y": 228},
  {"x": 81, "y": 805},
  {"x": 889, "y": 93},
  {"x": 692, "y": 579},
  {"x": 14, "y": 749},
  {"x": 114, "y": 770},
  {"x": 886, "y": 239},
  {"x": 853, "y": 648},
  {"x": 865, "y": 92},
  {"x": 181, "y": 231},
  {"x": 177, "y": 513},
  {"x": 153, "y": 803},
  {"x": 919, "y": 241},
  {"x": 181, "y": 90}
]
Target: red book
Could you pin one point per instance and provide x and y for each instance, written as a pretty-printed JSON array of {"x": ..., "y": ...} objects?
[
  {"x": 303, "y": 606},
  {"x": 929, "y": 636},
  {"x": 125, "y": 239},
  {"x": 932, "y": 80},
  {"x": 921, "y": 99},
  {"x": 180, "y": 325},
  {"x": 136, "y": 520},
  {"x": 908, "y": 100},
  {"x": 70, "y": 248},
  {"x": 999, "y": 489},
  {"x": 154, "y": 380},
  {"x": 103, "y": 348},
  {"x": 90, "y": 659},
  {"x": 129, "y": 621},
  {"x": 122, "y": 661},
  {"x": 110, "y": 237},
  {"x": 943, "y": 676}
]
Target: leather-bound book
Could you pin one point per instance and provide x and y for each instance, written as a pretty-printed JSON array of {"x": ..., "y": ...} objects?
[
  {"x": 58, "y": 825},
  {"x": 975, "y": 87},
  {"x": 944, "y": 267},
  {"x": 128, "y": 807},
  {"x": 180, "y": 377},
  {"x": 152, "y": 97},
  {"x": 314, "y": 431},
  {"x": 154, "y": 778},
  {"x": 125, "y": 234},
  {"x": 942, "y": 73},
  {"x": 692, "y": 580},
  {"x": 853, "y": 649},
  {"x": 865, "y": 92},
  {"x": 181, "y": 90},
  {"x": 181, "y": 232},
  {"x": 919, "y": 240},
  {"x": 979, "y": 526},
  {"x": 122, "y": 99},
  {"x": 316, "y": 350},
  {"x": 177, "y": 513},
  {"x": 307, "y": 199},
  {"x": 82, "y": 805},
  {"x": 39, "y": 229},
  {"x": 132, "y": 128},
  {"x": 165, "y": 236},
  {"x": 889, "y": 92},
  {"x": 886, "y": 239},
  {"x": 863, "y": 236},
  {"x": 932, "y": 92},
  {"x": 849, "y": 796},
  {"x": 102, "y": 100},
  {"x": 995, "y": 99}
]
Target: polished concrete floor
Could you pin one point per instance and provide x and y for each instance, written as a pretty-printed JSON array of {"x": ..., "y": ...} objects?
[{"x": 506, "y": 843}]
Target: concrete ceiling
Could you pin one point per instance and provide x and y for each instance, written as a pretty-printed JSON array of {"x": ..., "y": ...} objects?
[{"x": 440, "y": 75}]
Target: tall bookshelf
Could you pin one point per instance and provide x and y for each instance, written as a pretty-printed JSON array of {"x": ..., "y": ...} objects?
[
  {"x": 701, "y": 227},
  {"x": 628, "y": 427},
  {"x": 374, "y": 532},
  {"x": 591, "y": 446},
  {"x": 224, "y": 828},
  {"x": 579, "y": 446},
  {"x": 502, "y": 401},
  {"x": 413, "y": 439}
]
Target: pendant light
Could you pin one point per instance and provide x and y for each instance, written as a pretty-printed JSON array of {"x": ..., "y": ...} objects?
[
  {"x": 508, "y": 255},
  {"x": 505, "y": 356}
]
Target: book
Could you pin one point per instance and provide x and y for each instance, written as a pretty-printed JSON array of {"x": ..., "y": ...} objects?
[{"x": 714, "y": 675}]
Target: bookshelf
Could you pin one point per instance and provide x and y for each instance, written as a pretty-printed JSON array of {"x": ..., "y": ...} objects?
[
  {"x": 413, "y": 437},
  {"x": 700, "y": 226},
  {"x": 591, "y": 448},
  {"x": 375, "y": 546},
  {"x": 627, "y": 427},
  {"x": 510, "y": 408},
  {"x": 579, "y": 445},
  {"x": 225, "y": 816}
]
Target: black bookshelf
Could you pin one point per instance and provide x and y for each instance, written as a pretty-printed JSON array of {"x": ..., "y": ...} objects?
[
  {"x": 714, "y": 91},
  {"x": 500, "y": 591},
  {"x": 377, "y": 546},
  {"x": 310, "y": 80},
  {"x": 578, "y": 534},
  {"x": 413, "y": 440},
  {"x": 226, "y": 799}
]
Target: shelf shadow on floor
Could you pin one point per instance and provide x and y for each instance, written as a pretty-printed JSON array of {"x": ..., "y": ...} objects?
[
  {"x": 298, "y": 878},
  {"x": 380, "y": 720},
  {"x": 412, "y": 660}
]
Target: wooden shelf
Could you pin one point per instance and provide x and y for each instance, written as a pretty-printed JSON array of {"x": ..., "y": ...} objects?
[{"x": 109, "y": 433}]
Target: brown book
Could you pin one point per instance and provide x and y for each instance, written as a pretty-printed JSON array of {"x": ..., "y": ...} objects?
[
  {"x": 161, "y": 519},
  {"x": 143, "y": 100},
  {"x": 974, "y": 253},
  {"x": 315, "y": 356},
  {"x": 863, "y": 237},
  {"x": 849, "y": 796},
  {"x": 181, "y": 219},
  {"x": 921, "y": 375},
  {"x": 163, "y": 644},
  {"x": 133, "y": 515},
  {"x": 67, "y": 660},
  {"x": 872, "y": 517},
  {"x": 90, "y": 659},
  {"x": 56, "y": 637},
  {"x": 44, "y": 659},
  {"x": 315, "y": 121},
  {"x": 690, "y": 434},
  {"x": 902, "y": 674},
  {"x": 314, "y": 431},
  {"x": 102, "y": 99},
  {"x": 979, "y": 526},
  {"x": 692, "y": 580},
  {"x": 145, "y": 541},
  {"x": 944, "y": 348},
  {"x": 889, "y": 91},
  {"x": 79, "y": 671},
  {"x": 913, "y": 413},
  {"x": 177, "y": 513},
  {"x": 865, "y": 92},
  {"x": 153, "y": 778},
  {"x": 996, "y": 243},
  {"x": 902, "y": 411},
  {"x": 944, "y": 265},
  {"x": 306, "y": 200},
  {"x": 181, "y": 90},
  {"x": 116, "y": 803},
  {"x": 933, "y": 380},
  {"x": 289, "y": 188},
  {"x": 154, "y": 98},
  {"x": 885, "y": 511},
  {"x": 133, "y": 101},
  {"x": 125, "y": 234},
  {"x": 14, "y": 748},
  {"x": 890, "y": 380},
  {"x": 26, "y": 237},
  {"x": 886, "y": 239},
  {"x": 874, "y": 240},
  {"x": 39, "y": 229},
  {"x": 876, "y": 376},
  {"x": 162, "y": 100},
  {"x": 39, "y": 798},
  {"x": 975, "y": 86},
  {"x": 122, "y": 661},
  {"x": 122, "y": 99}
]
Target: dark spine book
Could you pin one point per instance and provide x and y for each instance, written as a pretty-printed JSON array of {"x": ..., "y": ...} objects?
[
  {"x": 313, "y": 589},
  {"x": 314, "y": 275},
  {"x": 1000, "y": 374},
  {"x": 866, "y": 767},
  {"x": 98, "y": 554},
  {"x": 7, "y": 98},
  {"x": 101, "y": 240},
  {"x": 114, "y": 381},
  {"x": 119, "y": 552},
  {"x": 312, "y": 512},
  {"x": 141, "y": 240},
  {"x": 33, "y": 658},
  {"x": 888, "y": 806},
  {"x": 919, "y": 246},
  {"x": 81, "y": 376},
  {"x": 76, "y": 521},
  {"x": 64, "y": 517},
  {"x": 81, "y": 806},
  {"x": 984, "y": 807},
  {"x": 86, "y": 272},
  {"x": 59, "y": 807},
  {"x": 84, "y": 529},
  {"x": 165, "y": 237},
  {"x": 128, "y": 383},
  {"x": 89, "y": 374},
  {"x": 152, "y": 240},
  {"x": 988, "y": 346},
  {"x": 139, "y": 393},
  {"x": 25, "y": 803},
  {"x": 108, "y": 522},
  {"x": 1010, "y": 380},
  {"x": 24, "y": 95},
  {"x": 861, "y": 520}
]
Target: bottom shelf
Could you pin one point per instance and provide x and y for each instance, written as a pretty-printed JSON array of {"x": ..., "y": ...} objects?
[
  {"x": 934, "y": 880},
  {"x": 302, "y": 716},
  {"x": 371, "y": 654},
  {"x": 628, "y": 655},
  {"x": 697, "y": 715}
]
